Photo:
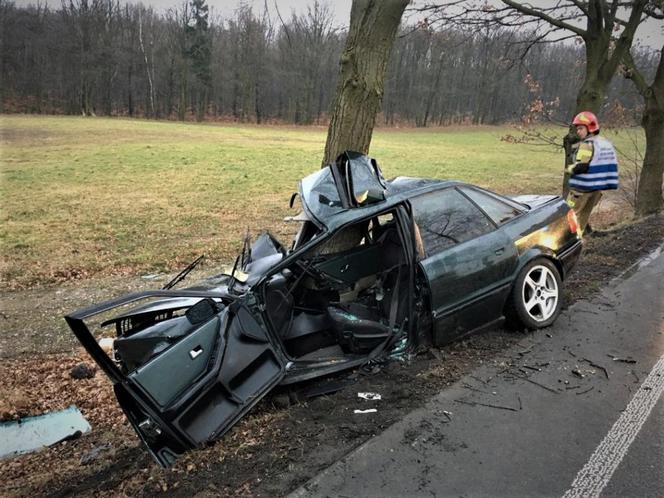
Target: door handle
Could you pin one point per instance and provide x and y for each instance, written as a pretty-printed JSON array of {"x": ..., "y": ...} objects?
[
  {"x": 194, "y": 353},
  {"x": 500, "y": 251}
]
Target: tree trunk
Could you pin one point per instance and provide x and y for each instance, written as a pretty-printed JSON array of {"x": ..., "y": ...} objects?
[
  {"x": 373, "y": 26},
  {"x": 649, "y": 193}
]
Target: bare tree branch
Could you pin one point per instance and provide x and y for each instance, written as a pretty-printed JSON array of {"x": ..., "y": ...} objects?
[{"x": 531, "y": 11}]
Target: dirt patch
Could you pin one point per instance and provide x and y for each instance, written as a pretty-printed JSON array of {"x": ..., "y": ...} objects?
[{"x": 275, "y": 448}]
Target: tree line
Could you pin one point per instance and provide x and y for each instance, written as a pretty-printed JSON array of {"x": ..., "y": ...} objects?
[{"x": 104, "y": 57}]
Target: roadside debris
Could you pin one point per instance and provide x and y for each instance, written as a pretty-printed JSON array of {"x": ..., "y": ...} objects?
[
  {"x": 31, "y": 433},
  {"x": 475, "y": 403},
  {"x": 550, "y": 389},
  {"x": 82, "y": 371},
  {"x": 369, "y": 396},
  {"x": 370, "y": 410},
  {"x": 578, "y": 373},
  {"x": 600, "y": 367},
  {"x": 106, "y": 344},
  {"x": 622, "y": 360}
]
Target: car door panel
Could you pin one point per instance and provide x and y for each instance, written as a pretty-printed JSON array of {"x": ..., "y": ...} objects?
[
  {"x": 469, "y": 283},
  {"x": 167, "y": 376},
  {"x": 198, "y": 387}
]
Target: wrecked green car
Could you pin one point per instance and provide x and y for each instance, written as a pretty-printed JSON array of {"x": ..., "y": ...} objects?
[{"x": 377, "y": 268}]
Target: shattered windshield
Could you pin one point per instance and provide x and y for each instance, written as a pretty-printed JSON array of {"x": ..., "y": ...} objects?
[
  {"x": 354, "y": 180},
  {"x": 319, "y": 194}
]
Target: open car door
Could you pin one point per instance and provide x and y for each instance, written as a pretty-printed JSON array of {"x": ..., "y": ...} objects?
[{"x": 185, "y": 374}]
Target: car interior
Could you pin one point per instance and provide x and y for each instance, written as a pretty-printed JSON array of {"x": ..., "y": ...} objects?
[{"x": 346, "y": 296}]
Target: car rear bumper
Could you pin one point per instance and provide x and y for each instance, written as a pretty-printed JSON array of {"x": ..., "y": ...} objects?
[{"x": 569, "y": 256}]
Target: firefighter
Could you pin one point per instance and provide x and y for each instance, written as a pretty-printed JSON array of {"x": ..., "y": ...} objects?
[{"x": 595, "y": 168}]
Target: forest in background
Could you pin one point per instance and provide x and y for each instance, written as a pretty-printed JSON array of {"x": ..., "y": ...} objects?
[{"x": 106, "y": 57}]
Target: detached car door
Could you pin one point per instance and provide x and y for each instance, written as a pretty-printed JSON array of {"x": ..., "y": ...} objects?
[
  {"x": 184, "y": 377},
  {"x": 468, "y": 262}
]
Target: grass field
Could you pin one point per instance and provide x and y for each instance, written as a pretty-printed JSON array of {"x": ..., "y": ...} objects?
[{"x": 83, "y": 196}]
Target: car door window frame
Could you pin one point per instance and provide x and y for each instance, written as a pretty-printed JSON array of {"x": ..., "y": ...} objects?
[
  {"x": 493, "y": 225},
  {"x": 492, "y": 196}
]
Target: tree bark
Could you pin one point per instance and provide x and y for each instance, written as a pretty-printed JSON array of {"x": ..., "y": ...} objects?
[
  {"x": 649, "y": 193},
  {"x": 373, "y": 26}
]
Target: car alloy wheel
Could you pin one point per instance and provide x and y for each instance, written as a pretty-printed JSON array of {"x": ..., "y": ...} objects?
[{"x": 540, "y": 293}]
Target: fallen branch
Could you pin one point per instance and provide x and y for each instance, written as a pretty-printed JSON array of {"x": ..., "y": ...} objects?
[
  {"x": 622, "y": 360},
  {"x": 586, "y": 391},
  {"x": 474, "y": 403},
  {"x": 550, "y": 389},
  {"x": 593, "y": 364}
]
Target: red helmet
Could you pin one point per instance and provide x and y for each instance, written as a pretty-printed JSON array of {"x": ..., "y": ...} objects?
[{"x": 587, "y": 119}]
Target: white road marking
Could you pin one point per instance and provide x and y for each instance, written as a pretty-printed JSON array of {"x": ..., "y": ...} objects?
[{"x": 595, "y": 475}]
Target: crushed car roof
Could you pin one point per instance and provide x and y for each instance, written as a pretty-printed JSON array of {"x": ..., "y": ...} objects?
[{"x": 322, "y": 199}]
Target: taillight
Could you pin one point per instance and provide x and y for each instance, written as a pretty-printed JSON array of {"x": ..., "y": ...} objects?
[{"x": 573, "y": 222}]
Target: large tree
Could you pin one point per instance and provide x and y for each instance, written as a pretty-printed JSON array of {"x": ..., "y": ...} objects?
[
  {"x": 373, "y": 26},
  {"x": 606, "y": 27},
  {"x": 649, "y": 193}
]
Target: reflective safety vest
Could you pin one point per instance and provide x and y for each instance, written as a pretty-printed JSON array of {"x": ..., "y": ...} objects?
[{"x": 602, "y": 172}]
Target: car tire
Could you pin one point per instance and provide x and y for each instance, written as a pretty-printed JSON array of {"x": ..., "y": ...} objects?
[{"x": 536, "y": 298}]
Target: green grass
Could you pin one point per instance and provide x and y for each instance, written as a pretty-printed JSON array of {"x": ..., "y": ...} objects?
[{"x": 83, "y": 196}]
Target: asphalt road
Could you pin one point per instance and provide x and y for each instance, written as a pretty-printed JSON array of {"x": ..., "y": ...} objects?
[{"x": 573, "y": 410}]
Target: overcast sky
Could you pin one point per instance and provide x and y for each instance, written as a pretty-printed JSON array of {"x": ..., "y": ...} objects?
[{"x": 651, "y": 33}]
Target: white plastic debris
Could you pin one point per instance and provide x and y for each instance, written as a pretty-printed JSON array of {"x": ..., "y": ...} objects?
[
  {"x": 107, "y": 344},
  {"x": 369, "y": 396},
  {"x": 370, "y": 410}
]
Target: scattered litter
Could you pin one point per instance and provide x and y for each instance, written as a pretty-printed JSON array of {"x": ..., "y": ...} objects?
[
  {"x": 550, "y": 389},
  {"x": 587, "y": 390},
  {"x": 468, "y": 386},
  {"x": 31, "y": 433},
  {"x": 525, "y": 351},
  {"x": 578, "y": 373},
  {"x": 638, "y": 380},
  {"x": 369, "y": 396},
  {"x": 370, "y": 410},
  {"x": 448, "y": 415},
  {"x": 536, "y": 369},
  {"x": 478, "y": 379},
  {"x": 519, "y": 399},
  {"x": 82, "y": 371},
  {"x": 474, "y": 403},
  {"x": 622, "y": 360},
  {"x": 592, "y": 364}
]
